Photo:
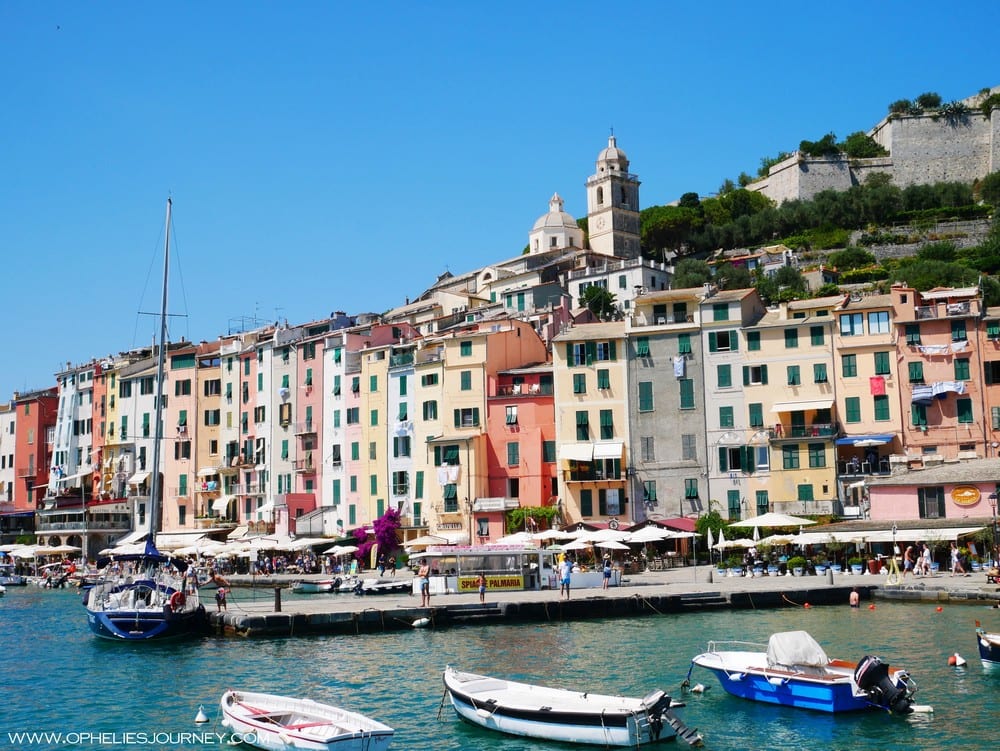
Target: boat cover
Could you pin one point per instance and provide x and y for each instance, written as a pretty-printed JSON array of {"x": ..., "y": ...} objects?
[{"x": 795, "y": 648}]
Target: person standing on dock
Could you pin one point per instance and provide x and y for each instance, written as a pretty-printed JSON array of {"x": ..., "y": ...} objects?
[
  {"x": 566, "y": 571},
  {"x": 481, "y": 583},
  {"x": 423, "y": 577}
]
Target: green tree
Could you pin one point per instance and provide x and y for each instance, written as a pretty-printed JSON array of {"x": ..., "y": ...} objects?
[
  {"x": 828, "y": 290},
  {"x": 929, "y": 100},
  {"x": 989, "y": 188},
  {"x": 599, "y": 301},
  {"x": 851, "y": 258},
  {"x": 689, "y": 201},
  {"x": 791, "y": 284},
  {"x": 938, "y": 251},
  {"x": 826, "y": 146},
  {"x": 925, "y": 275},
  {"x": 728, "y": 276},
  {"x": 860, "y": 145},
  {"x": 900, "y": 107},
  {"x": 690, "y": 272},
  {"x": 667, "y": 227}
]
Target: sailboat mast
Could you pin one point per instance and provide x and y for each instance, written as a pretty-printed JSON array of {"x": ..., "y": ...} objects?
[{"x": 161, "y": 359}]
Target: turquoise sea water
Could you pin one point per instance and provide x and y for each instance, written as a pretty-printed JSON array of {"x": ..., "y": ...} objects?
[{"x": 58, "y": 678}]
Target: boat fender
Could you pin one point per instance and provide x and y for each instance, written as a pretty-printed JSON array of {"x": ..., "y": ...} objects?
[
  {"x": 421, "y": 622},
  {"x": 177, "y": 600}
]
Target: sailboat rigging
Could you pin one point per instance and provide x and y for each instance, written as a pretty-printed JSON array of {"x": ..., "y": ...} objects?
[{"x": 146, "y": 595}]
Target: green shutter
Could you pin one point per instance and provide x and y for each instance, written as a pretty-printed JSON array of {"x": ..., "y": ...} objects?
[
  {"x": 419, "y": 491},
  {"x": 746, "y": 375},
  {"x": 763, "y": 374},
  {"x": 612, "y": 351},
  {"x": 458, "y": 418},
  {"x": 586, "y": 502},
  {"x": 723, "y": 459},
  {"x": 713, "y": 345}
]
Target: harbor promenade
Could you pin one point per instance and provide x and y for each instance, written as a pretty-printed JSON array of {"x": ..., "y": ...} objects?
[{"x": 270, "y": 608}]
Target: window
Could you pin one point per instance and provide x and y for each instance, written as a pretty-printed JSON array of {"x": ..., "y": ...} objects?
[
  {"x": 686, "y": 392},
  {"x": 579, "y": 383},
  {"x": 756, "y": 410},
  {"x": 763, "y": 457},
  {"x": 213, "y": 417},
  {"x": 373, "y": 484},
  {"x": 603, "y": 379},
  {"x": 450, "y": 493},
  {"x": 605, "y": 351},
  {"x": 963, "y": 408},
  {"x": 918, "y": 415},
  {"x": 819, "y": 372},
  {"x": 722, "y": 341},
  {"x": 753, "y": 341},
  {"x": 642, "y": 346},
  {"x": 353, "y": 415},
  {"x": 373, "y": 383},
  {"x": 805, "y": 493},
  {"x": 991, "y": 371},
  {"x": 607, "y": 425},
  {"x": 467, "y": 417},
  {"x": 182, "y": 388},
  {"x": 689, "y": 449},
  {"x": 733, "y": 504},
  {"x": 284, "y": 449},
  {"x": 691, "y": 488},
  {"x": 683, "y": 344},
  {"x": 430, "y": 379},
  {"x": 586, "y": 502},
  {"x": 852, "y": 409},
  {"x": 958, "y": 331},
  {"x": 817, "y": 455},
  {"x": 916, "y": 371},
  {"x": 182, "y": 450},
  {"x": 511, "y": 418},
  {"x": 881, "y": 408},
  {"x": 645, "y": 396},
  {"x": 374, "y": 418},
  {"x": 466, "y": 379},
  {"x": 789, "y": 457},
  {"x": 356, "y": 384},
  {"x": 849, "y": 365},
  {"x": 962, "y": 372},
  {"x": 649, "y": 492},
  {"x": 582, "y": 426},
  {"x": 726, "y": 417},
  {"x": 724, "y": 374},
  {"x": 816, "y": 336},
  {"x": 513, "y": 454},
  {"x": 372, "y": 450},
  {"x": 993, "y": 329},
  {"x": 754, "y": 375},
  {"x": 548, "y": 451},
  {"x": 794, "y": 378},
  {"x": 401, "y": 445},
  {"x": 720, "y": 312},
  {"x": 930, "y": 503},
  {"x": 791, "y": 338},
  {"x": 882, "y": 363},
  {"x": 852, "y": 324},
  {"x": 430, "y": 409},
  {"x": 913, "y": 334},
  {"x": 465, "y": 349},
  {"x": 647, "y": 448},
  {"x": 878, "y": 322},
  {"x": 576, "y": 354}
]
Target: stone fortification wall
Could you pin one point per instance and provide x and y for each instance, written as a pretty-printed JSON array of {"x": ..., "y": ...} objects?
[{"x": 923, "y": 149}]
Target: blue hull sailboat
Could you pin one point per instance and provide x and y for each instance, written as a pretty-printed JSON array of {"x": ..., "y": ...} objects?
[{"x": 144, "y": 594}]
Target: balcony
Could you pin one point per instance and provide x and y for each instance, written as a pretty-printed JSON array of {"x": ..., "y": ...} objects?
[
  {"x": 880, "y": 466},
  {"x": 305, "y": 466},
  {"x": 788, "y": 432},
  {"x": 946, "y": 310},
  {"x": 25, "y": 471},
  {"x": 398, "y": 360},
  {"x": 525, "y": 389},
  {"x": 305, "y": 428}
]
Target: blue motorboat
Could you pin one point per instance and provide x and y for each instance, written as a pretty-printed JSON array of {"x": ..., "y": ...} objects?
[
  {"x": 793, "y": 670},
  {"x": 989, "y": 646}
]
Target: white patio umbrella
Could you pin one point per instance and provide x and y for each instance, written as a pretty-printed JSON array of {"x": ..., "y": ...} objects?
[
  {"x": 577, "y": 545},
  {"x": 711, "y": 542},
  {"x": 554, "y": 534},
  {"x": 756, "y": 534},
  {"x": 649, "y": 534},
  {"x": 611, "y": 545},
  {"x": 424, "y": 541},
  {"x": 518, "y": 538},
  {"x": 773, "y": 519}
]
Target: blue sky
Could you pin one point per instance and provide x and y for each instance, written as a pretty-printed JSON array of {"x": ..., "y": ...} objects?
[{"x": 339, "y": 156}]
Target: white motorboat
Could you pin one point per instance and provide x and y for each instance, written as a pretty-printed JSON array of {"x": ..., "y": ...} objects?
[
  {"x": 281, "y": 723},
  {"x": 571, "y": 716},
  {"x": 311, "y": 587}
]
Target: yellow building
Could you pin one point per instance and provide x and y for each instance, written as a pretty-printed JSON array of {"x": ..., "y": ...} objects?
[{"x": 591, "y": 405}]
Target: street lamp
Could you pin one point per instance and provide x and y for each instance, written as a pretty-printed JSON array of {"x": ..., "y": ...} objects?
[{"x": 993, "y": 508}]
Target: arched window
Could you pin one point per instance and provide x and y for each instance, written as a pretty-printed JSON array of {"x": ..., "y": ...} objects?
[{"x": 600, "y": 196}]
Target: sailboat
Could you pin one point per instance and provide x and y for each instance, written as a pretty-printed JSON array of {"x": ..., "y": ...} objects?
[{"x": 145, "y": 594}]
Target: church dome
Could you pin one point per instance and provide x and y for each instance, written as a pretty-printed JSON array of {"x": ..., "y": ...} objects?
[
  {"x": 612, "y": 154},
  {"x": 556, "y": 217}
]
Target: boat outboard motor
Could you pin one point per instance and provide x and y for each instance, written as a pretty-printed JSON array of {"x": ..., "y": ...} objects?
[
  {"x": 872, "y": 677},
  {"x": 656, "y": 703}
]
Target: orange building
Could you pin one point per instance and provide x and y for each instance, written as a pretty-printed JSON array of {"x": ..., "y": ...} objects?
[{"x": 36, "y": 414}]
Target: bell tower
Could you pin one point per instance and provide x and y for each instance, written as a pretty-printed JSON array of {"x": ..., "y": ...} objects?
[{"x": 613, "y": 205}]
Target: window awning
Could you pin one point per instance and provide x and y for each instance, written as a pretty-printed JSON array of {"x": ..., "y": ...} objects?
[
  {"x": 238, "y": 533},
  {"x": 267, "y": 508},
  {"x": 77, "y": 476},
  {"x": 609, "y": 450},
  {"x": 802, "y": 406},
  {"x": 576, "y": 452},
  {"x": 138, "y": 478},
  {"x": 221, "y": 505},
  {"x": 208, "y": 471},
  {"x": 874, "y": 439},
  {"x": 132, "y": 537},
  {"x": 495, "y": 504},
  {"x": 178, "y": 540}
]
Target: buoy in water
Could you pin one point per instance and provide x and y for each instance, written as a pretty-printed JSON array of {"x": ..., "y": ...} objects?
[
  {"x": 939, "y": 608},
  {"x": 421, "y": 623},
  {"x": 872, "y": 606},
  {"x": 698, "y": 688},
  {"x": 807, "y": 606},
  {"x": 201, "y": 718},
  {"x": 956, "y": 660}
]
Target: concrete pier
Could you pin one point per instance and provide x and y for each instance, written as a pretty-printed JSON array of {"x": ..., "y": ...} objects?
[{"x": 649, "y": 593}]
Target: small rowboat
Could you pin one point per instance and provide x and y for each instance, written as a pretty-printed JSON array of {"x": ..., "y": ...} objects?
[
  {"x": 557, "y": 714},
  {"x": 311, "y": 587},
  {"x": 281, "y": 723}
]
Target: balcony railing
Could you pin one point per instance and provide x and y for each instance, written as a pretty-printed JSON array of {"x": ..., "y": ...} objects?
[
  {"x": 305, "y": 466},
  {"x": 397, "y": 360},
  {"x": 525, "y": 389},
  {"x": 308, "y": 426},
  {"x": 785, "y": 431},
  {"x": 945, "y": 310},
  {"x": 880, "y": 466}
]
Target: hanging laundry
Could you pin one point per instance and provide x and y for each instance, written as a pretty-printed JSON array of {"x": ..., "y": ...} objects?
[
  {"x": 922, "y": 395},
  {"x": 935, "y": 349},
  {"x": 877, "y": 385},
  {"x": 959, "y": 346},
  {"x": 679, "y": 365},
  {"x": 443, "y": 475},
  {"x": 453, "y": 474}
]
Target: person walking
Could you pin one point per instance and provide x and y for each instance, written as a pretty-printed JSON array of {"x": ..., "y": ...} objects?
[
  {"x": 909, "y": 560},
  {"x": 956, "y": 561}
]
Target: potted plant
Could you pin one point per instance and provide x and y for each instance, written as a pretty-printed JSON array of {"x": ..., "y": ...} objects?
[
  {"x": 797, "y": 565},
  {"x": 855, "y": 563},
  {"x": 735, "y": 565},
  {"x": 819, "y": 562}
]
